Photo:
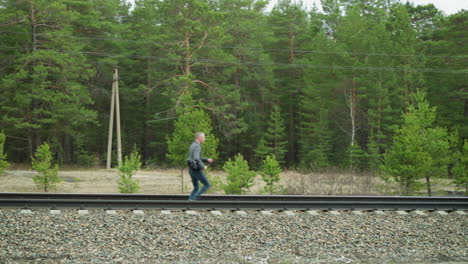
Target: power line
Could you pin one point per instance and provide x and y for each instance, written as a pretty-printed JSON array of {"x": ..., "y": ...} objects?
[
  {"x": 253, "y": 63},
  {"x": 253, "y": 48}
]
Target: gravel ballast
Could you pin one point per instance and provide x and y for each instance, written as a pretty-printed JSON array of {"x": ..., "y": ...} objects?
[{"x": 153, "y": 237}]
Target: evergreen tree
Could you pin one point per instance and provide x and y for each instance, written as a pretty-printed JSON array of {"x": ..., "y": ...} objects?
[
  {"x": 288, "y": 20},
  {"x": 44, "y": 96},
  {"x": 261, "y": 151},
  {"x": 271, "y": 175},
  {"x": 3, "y": 162},
  {"x": 240, "y": 177},
  {"x": 460, "y": 170},
  {"x": 130, "y": 165},
  {"x": 275, "y": 136},
  {"x": 419, "y": 150},
  {"x": 190, "y": 121},
  {"x": 47, "y": 177}
]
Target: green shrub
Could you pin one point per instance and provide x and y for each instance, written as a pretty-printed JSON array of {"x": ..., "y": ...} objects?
[
  {"x": 215, "y": 181},
  {"x": 47, "y": 176},
  {"x": 3, "y": 163},
  {"x": 239, "y": 178},
  {"x": 460, "y": 170},
  {"x": 271, "y": 176},
  {"x": 129, "y": 167}
]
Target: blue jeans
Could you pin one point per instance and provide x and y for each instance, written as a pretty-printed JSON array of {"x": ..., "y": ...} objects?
[{"x": 198, "y": 175}]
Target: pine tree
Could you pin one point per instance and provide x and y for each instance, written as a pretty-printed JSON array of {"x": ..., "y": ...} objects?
[
  {"x": 130, "y": 165},
  {"x": 190, "y": 121},
  {"x": 288, "y": 22},
  {"x": 44, "y": 96},
  {"x": 240, "y": 177},
  {"x": 275, "y": 136},
  {"x": 47, "y": 177},
  {"x": 261, "y": 151},
  {"x": 419, "y": 150},
  {"x": 271, "y": 175},
  {"x": 3, "y": 162},
  {"x": 460, "y": 170}
]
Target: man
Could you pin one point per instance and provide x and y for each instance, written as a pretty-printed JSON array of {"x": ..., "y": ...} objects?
[{"x": 197, "y": 173}]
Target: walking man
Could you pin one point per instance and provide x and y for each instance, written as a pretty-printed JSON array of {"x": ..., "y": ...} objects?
[{"x": 197, "y": 166}]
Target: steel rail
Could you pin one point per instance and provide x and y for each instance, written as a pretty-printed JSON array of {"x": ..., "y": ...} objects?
[{"x": 229, "y": 202}]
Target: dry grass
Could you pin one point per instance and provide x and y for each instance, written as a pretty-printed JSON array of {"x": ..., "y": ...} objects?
[
  {"x": 331, "y": 183},
  {"x": 168, "y": 181}
]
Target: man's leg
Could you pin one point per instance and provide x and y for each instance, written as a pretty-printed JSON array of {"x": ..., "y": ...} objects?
[
  {"x": 206, "y": 185},
  {"x": 195, "y": 184}
]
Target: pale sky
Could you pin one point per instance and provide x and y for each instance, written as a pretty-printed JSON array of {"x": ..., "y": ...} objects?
[{"x": 447, "y": 6}]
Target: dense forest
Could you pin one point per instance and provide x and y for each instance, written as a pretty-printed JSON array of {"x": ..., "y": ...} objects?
[{"x": 320, "y": 89}]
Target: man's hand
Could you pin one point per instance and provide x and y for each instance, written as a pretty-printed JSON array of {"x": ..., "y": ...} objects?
[{"x": 210, "y": 160}]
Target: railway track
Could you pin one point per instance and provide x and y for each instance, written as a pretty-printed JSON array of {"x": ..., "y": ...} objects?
[{"x": 229, "y": 202}]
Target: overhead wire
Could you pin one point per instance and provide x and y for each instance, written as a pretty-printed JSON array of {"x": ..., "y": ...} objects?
[
  {"x": 253, "y": 48},
  {"x": 253, "y": 63}
]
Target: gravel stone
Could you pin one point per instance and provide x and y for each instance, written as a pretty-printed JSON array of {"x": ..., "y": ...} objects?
[
  {"x": 242, "y": 213},
  {"x": 289, "y": 213},
  {"x": 419, "y": 213},
  {"x": 266, "y": 213},
  {"x": 313, "y": 212},
  {"x": 138, "y": 212},
  {"x": 358, "y": 212},
  {"x": 441, "y": 213},
  {"x": 180, "y": 238},
  {"x": 214, "y": 212},
  {"x": 111, "y": 212}
]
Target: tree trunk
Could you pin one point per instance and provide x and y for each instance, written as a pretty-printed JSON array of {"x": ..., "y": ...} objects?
[
  {"x": 291, "y": 109},
  {"x": 188, "y": 55},
  {"x": 428, "y": 184},
  {"x": 67, "y": 149},
  {"x": 182, "y": 180},
  {"x": 36, "y": 138}
]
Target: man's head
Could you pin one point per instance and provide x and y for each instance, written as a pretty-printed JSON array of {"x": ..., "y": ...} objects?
[{"x": 200, "y": 137}]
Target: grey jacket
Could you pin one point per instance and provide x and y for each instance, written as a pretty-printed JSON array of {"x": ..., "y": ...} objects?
[{"x": 195, "y": 153}]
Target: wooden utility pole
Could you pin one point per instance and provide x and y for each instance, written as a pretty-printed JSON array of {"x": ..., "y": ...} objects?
[
  {"x": 114, "y": 105},
  {"x": 117, "y": 109}
]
